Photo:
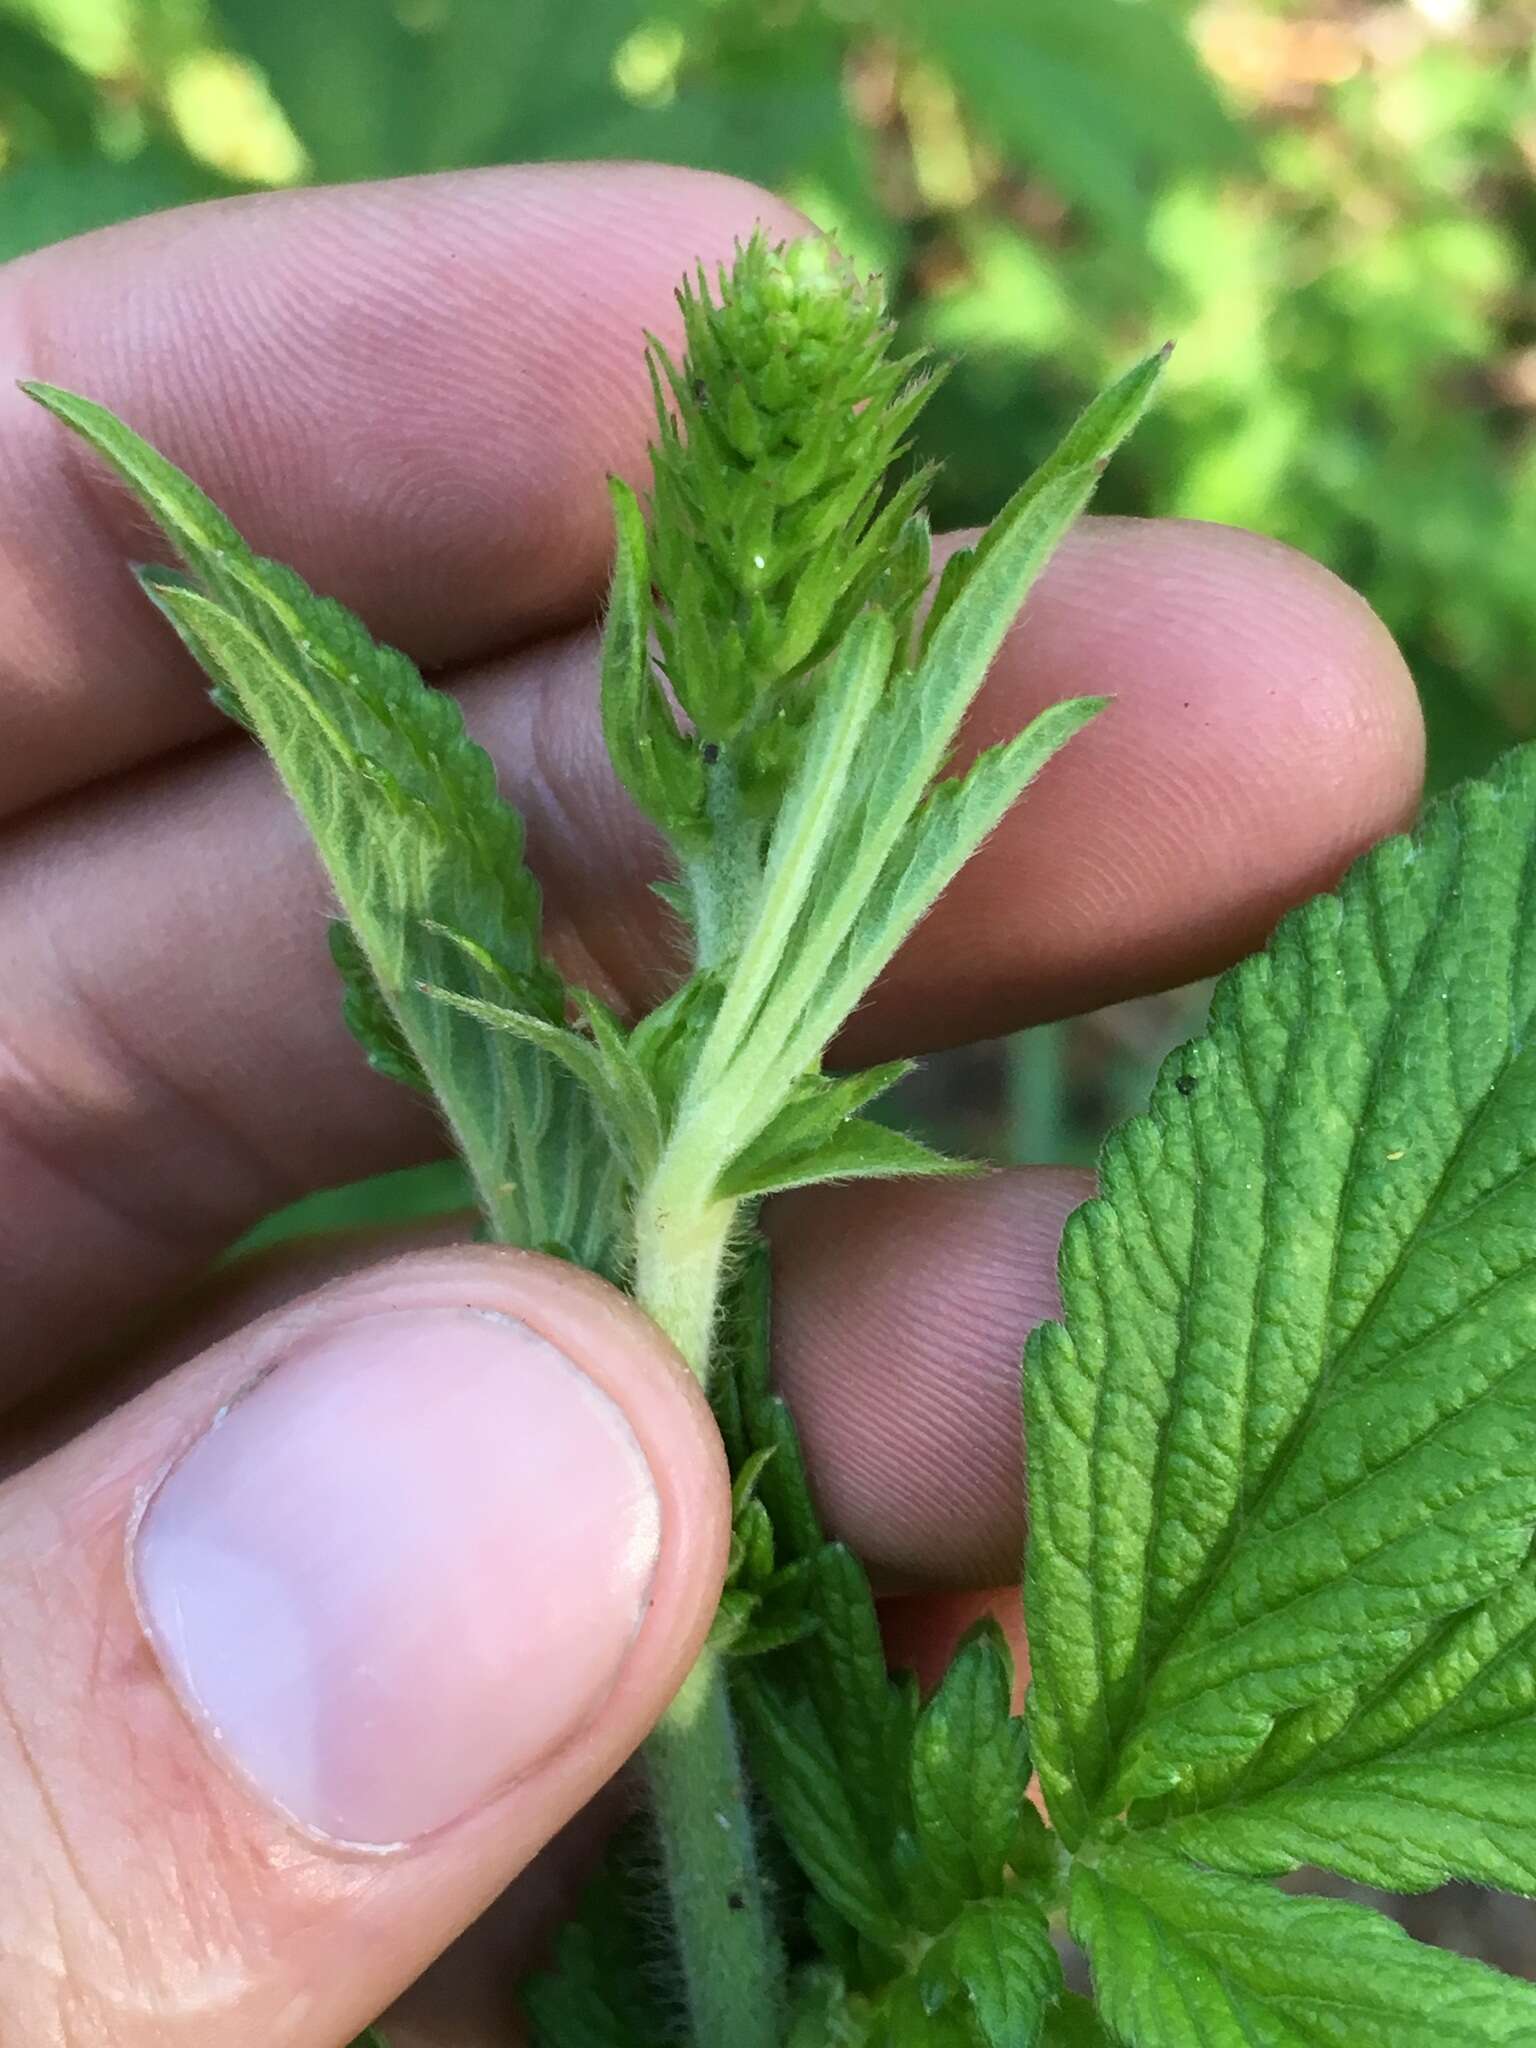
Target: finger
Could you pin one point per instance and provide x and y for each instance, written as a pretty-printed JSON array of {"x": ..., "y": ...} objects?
[
  {"x": 900, "y": 1316},
  {"x": 314, "y": 1645},
  {"x": 1264, "y": 730},
  {"x": 922, "y": 1631},
  {"x": 411, "y": 391},
  {"x": 176, "y": 1061}
]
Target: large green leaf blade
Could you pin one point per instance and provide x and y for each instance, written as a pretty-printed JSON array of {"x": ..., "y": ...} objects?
[
  {"x": 1431, "y": 1776},
  {"x": 1183, "y": 1955},
  {"x": 1293, "y": 1426}
]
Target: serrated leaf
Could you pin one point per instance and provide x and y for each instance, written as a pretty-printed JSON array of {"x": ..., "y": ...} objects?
[
  {"x": 816, "y": 1110},
  {"x": 405, "y": 812},
  {"x": 1290, "y": 1426},
  {"x": 602, "y": 1990},
  {"x": 829, "y": 1733},
  {"x": 1430, "y": 1776},
  {"x": 796, "y": 1765},
  {"x": 957, "y": 817},
  {"x": 856, "y": 1150},
  {"x": 368, "y": 1017},
  {"x": 613, "y": 1082},
  {"x": 905, "y": 2019},
  {"x": 821, "y": 2015},
  {"x": 847, "y": 699},
  {"x": 970, "y": 1768},
  {"x": 1182, "y": 1955},
  {"x": 656, "y": 761},
  {"x": 998, "y": 1962},
  {"x": 753, "y": 1418},
  {"x": 1107, "y": 420}
]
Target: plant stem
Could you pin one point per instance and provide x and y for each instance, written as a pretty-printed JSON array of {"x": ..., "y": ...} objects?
[
  {"x": 730, "y": 1955},
  {"x": 680, "y": 1247},
  {"x": 725, "y": 1937}
]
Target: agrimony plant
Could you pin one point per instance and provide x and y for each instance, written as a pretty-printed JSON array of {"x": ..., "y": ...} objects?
[{"x": 1282, "y": 1454}]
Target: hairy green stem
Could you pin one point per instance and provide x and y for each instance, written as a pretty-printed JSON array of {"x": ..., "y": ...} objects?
[
  {"x": 680, "y": 1247},
  {"x": 732, "y": 1966}
]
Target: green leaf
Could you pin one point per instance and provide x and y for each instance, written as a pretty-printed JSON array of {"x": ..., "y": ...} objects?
[
  {"x": 368, "y": 1017},
  {"x": 754, "y": 1419},
  {"x": 1184, "y": 1955},
  {"x": 998, "y": 1963},
  {"x": 857, "y": 1150},
  {"x": 420, "y": 848},
  {"x": 829, "y": 1733},
  {"x": 614, "y": 1084},
  {"x": 797, "y": 1767},
  {"x": 1289, "y": 1430},
  {"x": 821, "y": 2015},
  {"x": 819, "y": 1136},
  {"x": 970, "y": 1769},
  {"x": 903, "y": 2020},
  {"x": 370, "y": 2037},
  {"x": 1088, "y": 443},
  {"x": 658, "y": 764},
  {"x": 951, "y": 823},
  {"x": 885, "y": 853},
  {"x": 1429, "y": 1776},
  {"x": 1107, "y": 101},
  {"x": 1074, "y": 2024},
  {"x": 604, "y": 1989}
]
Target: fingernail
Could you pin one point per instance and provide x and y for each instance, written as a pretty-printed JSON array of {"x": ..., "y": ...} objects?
[{"x": 404, "y": 1569}]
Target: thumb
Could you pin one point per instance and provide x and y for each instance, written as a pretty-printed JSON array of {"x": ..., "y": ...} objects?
[{"x": 312, "y": 1647}]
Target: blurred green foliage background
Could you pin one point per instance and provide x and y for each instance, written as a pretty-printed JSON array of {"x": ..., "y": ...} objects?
[{"x": 1332, "y": 204}]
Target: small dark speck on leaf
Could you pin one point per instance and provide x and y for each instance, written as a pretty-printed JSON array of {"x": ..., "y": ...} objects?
[
  {"x": 711, "y": 753},
  {"x": 736, "y": 1902},
  {"x": 1186, "y": 1084}
]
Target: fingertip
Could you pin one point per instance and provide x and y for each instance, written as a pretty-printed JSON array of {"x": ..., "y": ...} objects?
[
  {"x": 1264, "y": 731},
  {"x": 1284, "y": 712},
  {"x": 484, "y": 1459},
  {"x": 337, "y": 1626},
  {"x": 899, "y": 1329},
  {"x": 1276, "y": 650}
]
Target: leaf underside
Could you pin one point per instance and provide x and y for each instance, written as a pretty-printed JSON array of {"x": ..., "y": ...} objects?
[{"x": 420, "y": 848}]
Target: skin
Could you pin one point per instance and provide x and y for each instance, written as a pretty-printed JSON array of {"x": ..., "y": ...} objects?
[{"x": 412, "y": 392}]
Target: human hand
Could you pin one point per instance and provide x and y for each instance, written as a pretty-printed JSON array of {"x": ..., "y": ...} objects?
[{"x": 436, "y": 1577}]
